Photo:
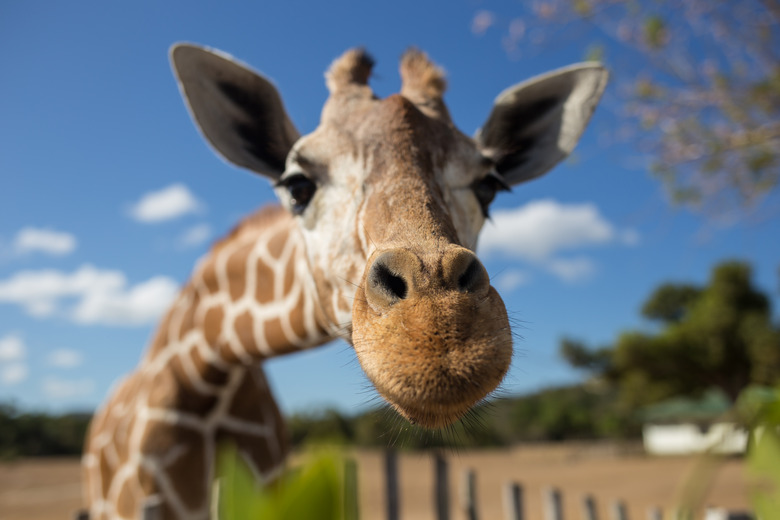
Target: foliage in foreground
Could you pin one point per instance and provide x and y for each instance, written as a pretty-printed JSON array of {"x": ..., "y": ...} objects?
[
  {"x": 760, "y": 409},
  {"x": 314, "y": 491}
]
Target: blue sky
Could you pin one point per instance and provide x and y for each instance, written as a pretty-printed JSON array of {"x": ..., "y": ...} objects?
[{"x": 108, "y": 195}]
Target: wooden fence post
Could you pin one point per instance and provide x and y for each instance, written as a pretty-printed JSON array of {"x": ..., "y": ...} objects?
[
  {"x": 469, "y": 497},
  {"x": 513, "y": 501},
  {"x": 619, "y": 511},
  {"x": 391, "y": 481},
  {"x": 216, "y": 493},
  {"x": 152, "y": 511},
  {"x": 681, "y": 513},
  {"x": 719, "y": 513},
  {"x": 553, "y": 504},
  {"x": 441, "y": 490},
  {"x": 589, "y": 508},
  {"x": 351, "y": 510}
]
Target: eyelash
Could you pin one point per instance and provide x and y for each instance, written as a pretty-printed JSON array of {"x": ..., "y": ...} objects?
[
  {"x": 301, "y": 190},
  {"x": 486, "y": 188}
]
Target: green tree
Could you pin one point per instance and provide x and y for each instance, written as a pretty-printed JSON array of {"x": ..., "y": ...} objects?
[
  {"x": 38, "y": 434},
  {"x": 568, "y": 413},
  {"x": 327, "y": 426},
  {"x": 720, "y": 335}
]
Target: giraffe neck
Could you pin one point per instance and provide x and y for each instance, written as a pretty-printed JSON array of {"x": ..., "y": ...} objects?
[
  {"x": 250, "y": 299},
  {"x": 201, "y": 383}
]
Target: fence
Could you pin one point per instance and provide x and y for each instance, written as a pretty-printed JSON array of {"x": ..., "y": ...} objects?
[{"x": 514, "y": 499}]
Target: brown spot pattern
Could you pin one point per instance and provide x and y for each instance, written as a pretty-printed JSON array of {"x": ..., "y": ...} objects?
[
  {"x": 236, "y": 271},
  {"x": 125, "y": 503},
  {"x": 276, "y": 245},
  {"x": 275, "y": 334},
  {"x": 244, "y": 327},
  {"x": 212, "y": 325},
  {"x": 193, "y": 491},
  {"x": 211, "y": 374},
  {"x": 264, "y": 287},
  {"x": 297, "y": 318},
  {"x": 208, "y": 278},
  {"x": 289, "y": 278}
]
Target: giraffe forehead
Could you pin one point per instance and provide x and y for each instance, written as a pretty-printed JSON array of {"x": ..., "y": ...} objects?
[
  {"x": 390, "y": 135},
  {"x": 400, "y": 120}
]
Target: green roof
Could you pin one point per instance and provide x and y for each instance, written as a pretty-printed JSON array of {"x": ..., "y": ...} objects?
[{"x": 712, "y": 405}]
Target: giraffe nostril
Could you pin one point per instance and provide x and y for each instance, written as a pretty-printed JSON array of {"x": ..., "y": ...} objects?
[
  {"x": 465, "y": 272},
  {"x": 382, "y": 279},
  {"x": 470, "y": 277},
  {"x": 390, "y": 278}
]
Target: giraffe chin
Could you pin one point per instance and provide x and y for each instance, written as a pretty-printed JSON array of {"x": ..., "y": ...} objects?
[
  {"x": 433, "y": 416},
  {"x": 423, "y": 401},
  {"x": 429, "y": 418},
  {"x": 434, "y": 402}
]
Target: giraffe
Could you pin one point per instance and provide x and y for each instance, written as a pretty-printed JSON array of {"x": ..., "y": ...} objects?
[{"x": 373, "y": 241}]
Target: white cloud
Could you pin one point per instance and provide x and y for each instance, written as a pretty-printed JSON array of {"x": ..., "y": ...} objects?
[
  {"x": 572, "y": 269},
  {"x": 629, "y": 237},
  {"x": 101, "y": 296},
  {"x": 510, "y": 280},
  {"x": 168, "y": 203},
  {"x": 40, "y": 291},
  {"x": 540, "y": 230},
  {"x": 13, "y": 374},
  {"x": 11, "y": 348},
  {"x": 481, "y": 22},
  {"x": 29, "y": 240},
  {"x": 137, "y": 305},
  {"x": 56, "y": 388},
  {"x": 65, "y": 358},
  {"x": 195, "y": 236},
  {"x": 12, "y": 353}
]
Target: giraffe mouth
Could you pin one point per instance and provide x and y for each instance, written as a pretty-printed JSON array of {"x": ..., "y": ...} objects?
[
  {"x": 435, "y": 401},
  {"x": 429, "y": 366},
  {"x": 430, "y": 332},
  {"x": 434, "y": 417}
]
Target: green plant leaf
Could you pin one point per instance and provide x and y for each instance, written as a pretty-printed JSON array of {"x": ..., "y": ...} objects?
[
  {"x": 764, "y": 472},
  {"x": 313, "y": 492}
]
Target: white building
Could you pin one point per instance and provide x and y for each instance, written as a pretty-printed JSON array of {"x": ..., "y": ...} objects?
[
  {"x": 683, "y": 426},
  {"x": 686, "y": 438}
]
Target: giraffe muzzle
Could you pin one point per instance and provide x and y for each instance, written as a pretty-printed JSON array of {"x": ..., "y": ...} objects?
[{"x": 431, "y": 333}]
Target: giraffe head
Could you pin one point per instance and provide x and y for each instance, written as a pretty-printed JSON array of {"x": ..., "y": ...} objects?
[{"x": 390, "y": 197}]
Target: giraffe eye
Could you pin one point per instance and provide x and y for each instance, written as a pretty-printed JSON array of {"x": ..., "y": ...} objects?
[
  {"x": 485, "y": 190},
  {"x": 301, "y": 190}
]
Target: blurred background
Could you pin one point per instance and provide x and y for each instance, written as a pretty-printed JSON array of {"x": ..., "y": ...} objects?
[{"x": 642, "y": 274}]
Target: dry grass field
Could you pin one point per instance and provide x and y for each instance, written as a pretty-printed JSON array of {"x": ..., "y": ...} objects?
[{"x": 50, "y": 489}]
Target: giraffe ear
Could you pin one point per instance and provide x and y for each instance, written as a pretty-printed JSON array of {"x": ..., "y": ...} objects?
[
  {"x": 537, "y": 123},
  {"x": 238, "y": 111}
]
